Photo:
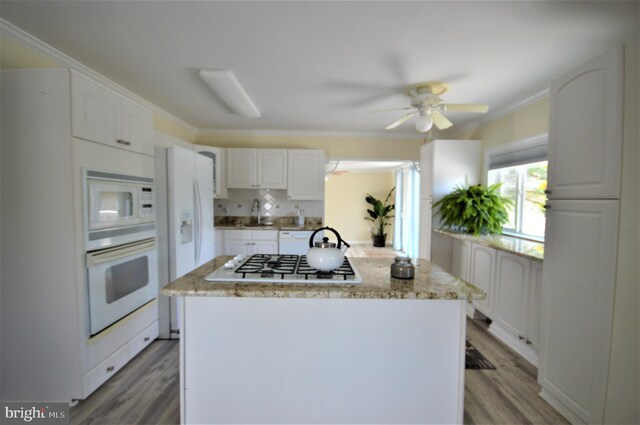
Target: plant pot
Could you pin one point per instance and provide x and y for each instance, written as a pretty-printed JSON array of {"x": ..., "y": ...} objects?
[{"x": 379, "y": 240}]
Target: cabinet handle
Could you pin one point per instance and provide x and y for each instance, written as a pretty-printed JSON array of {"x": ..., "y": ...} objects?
[
  {"x": 146, "y": 338},
  {"x": 124, "y": 142},
  {"x": 520, "y": 337},
  {"x": 528, "y": 342},
  {"x": 547, "y": 206},
  {"x": 110, "y": 368},
  {"x": 547, "y": 191}
]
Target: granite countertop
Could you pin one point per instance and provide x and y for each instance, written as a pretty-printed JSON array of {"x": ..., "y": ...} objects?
[
  {"x": 517, "y": 246},
  {"x": 275, "y": 226},
  {"x": 430, "y": 282},
  {"x": 277, "y": 223}
]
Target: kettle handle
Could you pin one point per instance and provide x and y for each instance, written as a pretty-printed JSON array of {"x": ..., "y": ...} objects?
[{"x": 340, "y": 241}]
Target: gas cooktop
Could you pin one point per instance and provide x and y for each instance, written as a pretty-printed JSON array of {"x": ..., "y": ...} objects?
[{"x": 282, "y": 269}]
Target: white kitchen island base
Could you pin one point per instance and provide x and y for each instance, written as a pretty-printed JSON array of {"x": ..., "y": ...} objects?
[{"x": 319, "y": 360}]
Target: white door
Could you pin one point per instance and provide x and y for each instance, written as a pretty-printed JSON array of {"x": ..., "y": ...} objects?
[
  {"x": 182, "y": 219},
  {"x": 305, "y": 174},
  {"x": 460, "y": 258},
  {"x": 578, "y": 281},
  {"x": 264, "y": 247},
  {"x": 136, "y": 126},
  {"x": 272, "y": 168},
  {"x": 482, "y": 274},
  {"x": 512, "y": 293},
  {"x": 94, "y": 111},
  {"x": 535, "y": 292},
  {"x": 237, "y": 247},
  {"x": 205, "y": 240},
  {"x": 585, "y": 135},
  {"x": 241, "y": 168}
]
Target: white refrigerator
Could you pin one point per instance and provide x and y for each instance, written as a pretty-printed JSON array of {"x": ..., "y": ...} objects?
[{"x": 184, "y": 198}]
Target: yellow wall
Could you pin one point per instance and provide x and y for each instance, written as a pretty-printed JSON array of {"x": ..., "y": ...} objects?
[
  {"x": 336, "y": 147},
  {"x": 15, "y": 55},
  {"x": 171, "y": 128},
  {"x": 532, "y": 120},
  {"x": 345, "y": 207}
]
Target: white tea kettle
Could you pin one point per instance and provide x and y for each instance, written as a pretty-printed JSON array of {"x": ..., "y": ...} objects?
[{"x": 326, "y": 256}]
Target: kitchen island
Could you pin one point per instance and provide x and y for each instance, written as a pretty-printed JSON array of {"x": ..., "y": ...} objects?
[{"x": 384, "y": 351}]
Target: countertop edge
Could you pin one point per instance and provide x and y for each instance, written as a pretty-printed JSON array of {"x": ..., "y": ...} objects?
[{"x": 492, "y": 244}]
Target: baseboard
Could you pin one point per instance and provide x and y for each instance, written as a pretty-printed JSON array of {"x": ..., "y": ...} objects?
[
  {"x": 514, "y": 343},
  {"x": 561, "y": 408}
]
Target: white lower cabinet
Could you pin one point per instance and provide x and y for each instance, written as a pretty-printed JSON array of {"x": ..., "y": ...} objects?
[
  {"x": 517, "y": 304},
  {"x": 249, "y": 242},
  {"x": 482, "y": 272},
  {"x": 460, "y": 258}
]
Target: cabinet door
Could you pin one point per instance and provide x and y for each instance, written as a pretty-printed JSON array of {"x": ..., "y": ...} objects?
[
  {"x": 241, "y": 168},
  {"x": 511, "y": 293},
  {"x": 585, "y": 130},
  {"x": 94, "y": 111},
  {"x": 136, "y": 127},
  {"x": 578, "y": 281},
  {"x": 535, "y": 292},
  {"x": 217, "y": 155},
  {"x": 272, "y": 168},
  {"x": 460, "y": 258},
  {"x": 305, "y": 174},
  {"x": 237, "y": 246},
  {"x": 482, "y": 274},
  {"x": 264, "y": 247}
]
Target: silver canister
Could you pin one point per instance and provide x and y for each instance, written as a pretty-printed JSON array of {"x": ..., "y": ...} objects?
[{"x": 402, "y": 268}]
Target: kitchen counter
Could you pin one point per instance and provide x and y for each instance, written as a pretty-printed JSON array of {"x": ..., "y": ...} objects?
[
  {"x": 278, "y": 223},
  {"x": 517, "y": 246},
  {"x": 384, "y": 351},
  {"x": 430, "y": 282}
]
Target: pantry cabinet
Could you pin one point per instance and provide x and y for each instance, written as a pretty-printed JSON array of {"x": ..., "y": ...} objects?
[
  {"x": 256, "y": 168},
  {"x": 305, "y": 174},
  {"x": 217, "y": 155},
  {"x": 100, "y": 115}
]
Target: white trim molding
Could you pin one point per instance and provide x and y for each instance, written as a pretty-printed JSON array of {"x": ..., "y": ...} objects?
[{"x": 27, "y": 40}]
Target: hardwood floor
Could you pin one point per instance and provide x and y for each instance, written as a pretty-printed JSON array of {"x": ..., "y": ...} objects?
[{"x": 146, "y": 390}]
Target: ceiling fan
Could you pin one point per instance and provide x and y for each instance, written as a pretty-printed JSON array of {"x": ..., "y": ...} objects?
[{"x": 427, "y": 107}]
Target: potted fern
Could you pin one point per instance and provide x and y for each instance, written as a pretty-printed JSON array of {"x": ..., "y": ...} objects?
[
  {"x": 474, "y": 209},
  {"x": 380, "y": 214}
]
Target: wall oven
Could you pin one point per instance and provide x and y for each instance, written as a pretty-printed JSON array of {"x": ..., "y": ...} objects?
[
  {"x": 118, "y": 209},
  {"x": 121, "y": 279}
]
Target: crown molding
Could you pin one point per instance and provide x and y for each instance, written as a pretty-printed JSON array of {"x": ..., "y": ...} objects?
[
  {"x": 7, "y": 29},
  {"x": 502, "y": 112},
  {"x": 310, "y": 133}
]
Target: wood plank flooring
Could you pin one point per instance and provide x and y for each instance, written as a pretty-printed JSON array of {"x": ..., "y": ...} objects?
[{"x": 146, "y": 390}]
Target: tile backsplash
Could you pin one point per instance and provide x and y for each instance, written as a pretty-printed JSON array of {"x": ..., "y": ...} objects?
[{"x": 273, "y": 203}]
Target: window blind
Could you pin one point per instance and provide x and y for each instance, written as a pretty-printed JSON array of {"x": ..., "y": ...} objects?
[{"x": 518, "y": 157}]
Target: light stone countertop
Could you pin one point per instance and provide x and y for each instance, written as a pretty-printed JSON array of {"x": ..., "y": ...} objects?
[
  {"x": 430, "y": 282},
  {"x": 516, "y": 246}
]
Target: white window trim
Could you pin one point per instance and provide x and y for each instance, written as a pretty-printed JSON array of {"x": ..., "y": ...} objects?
[{"x": 529, "y": 142}]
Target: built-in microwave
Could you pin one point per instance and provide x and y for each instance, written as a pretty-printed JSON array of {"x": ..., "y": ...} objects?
[{"x": 119, "y": 208}]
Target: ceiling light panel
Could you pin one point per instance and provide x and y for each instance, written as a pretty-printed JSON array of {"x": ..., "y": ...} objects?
[{"x": 227, "y": 87}]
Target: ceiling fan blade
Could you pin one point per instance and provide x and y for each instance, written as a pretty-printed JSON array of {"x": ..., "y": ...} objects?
[
  {"x": 480, "y": 108},
  {"x": 400, "y": 121},
  {"x": 440, "y": 120},
  {"x": 394, "y": 109}
]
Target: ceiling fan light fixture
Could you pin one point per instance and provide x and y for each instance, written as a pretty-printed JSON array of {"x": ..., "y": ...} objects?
[
  {"x": 227, "y": 87},
  {"x": 424, "y": 123}
]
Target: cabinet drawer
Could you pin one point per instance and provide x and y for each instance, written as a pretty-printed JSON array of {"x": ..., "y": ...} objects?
[
  {"x": 105, "y": 370},
  {"x": 140, "y": 341},
  {"x": 264, "y": 235},
  {"x": 244, "y": 235}
]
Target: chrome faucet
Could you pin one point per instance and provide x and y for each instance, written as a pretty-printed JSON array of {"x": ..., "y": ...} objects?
[{"x": 255, "y": 206}]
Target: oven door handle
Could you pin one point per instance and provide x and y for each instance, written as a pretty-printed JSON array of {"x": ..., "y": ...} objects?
[{"x": 113, "y": 254}]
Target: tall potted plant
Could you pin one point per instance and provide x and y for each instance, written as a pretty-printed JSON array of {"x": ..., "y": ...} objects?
[
  {"x": 380, "y": 214},
  {"x": 474, "y": 209}
]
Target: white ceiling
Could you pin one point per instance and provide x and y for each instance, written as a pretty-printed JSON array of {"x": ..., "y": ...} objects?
[{"x": 324, "y": 66}]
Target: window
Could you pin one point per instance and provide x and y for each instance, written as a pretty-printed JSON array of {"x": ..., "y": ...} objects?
[
  {"x": 524, "y": 185},
  {"x": 521, "y": 167}
]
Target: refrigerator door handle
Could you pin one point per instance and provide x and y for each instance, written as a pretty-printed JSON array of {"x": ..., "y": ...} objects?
[{"x": 198, "y": 219}]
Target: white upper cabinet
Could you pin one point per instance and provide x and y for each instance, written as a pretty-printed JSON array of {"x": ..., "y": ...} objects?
[
  {"x": 305, "y": 174},
  {"x": 256, "y": 168},
  {"x": 217, "y": 155},
  {"x": 272, "y": 168},
  {"x": 102, "y": 116},
  {"x": 585, "y": 136}
]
